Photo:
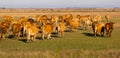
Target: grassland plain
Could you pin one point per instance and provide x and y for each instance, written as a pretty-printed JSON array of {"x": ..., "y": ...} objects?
[{"x": 80, "y": 44}]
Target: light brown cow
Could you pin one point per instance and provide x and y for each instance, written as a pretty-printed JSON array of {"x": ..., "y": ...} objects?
[
  {"x": 25, "y": 24},
  {"x": 31, "y": 32},
  {"x": 66, "y": 18},
  {"x": 97, "y": 18},
  {"x": 84, "y": 21},
  {"x": 47, "y": 29},
  {"x": 38, "y": 19},
  {"x": 8, "y": 18},
  {"x": 54, "y": 21},
  {"x": 73, "y": 24},
  {"x": 98, "y": 28},
  {"x": 107, "y": 17},
  {"x": 61, "y": 28},
  {"x": 44, "y": 20},
  {"x": 109, "y": 28}
]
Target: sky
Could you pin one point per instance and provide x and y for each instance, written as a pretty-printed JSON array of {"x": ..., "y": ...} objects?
[{"x": 59, "y": 3}]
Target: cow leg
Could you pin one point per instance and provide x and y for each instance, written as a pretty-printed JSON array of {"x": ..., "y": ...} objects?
[
  {"x": 75, "y": 29},
  {"x": 34, "y": 38},
  {"x": 95, "y": 33},
  {"x": 43, "y": 35},
  {"x": 107, "y": 33},
  {"x": 28, "y": 38},
  {"x": 19, "y": 34},
  {"x": 110, "y": 33},
  {"x": 85, "y": 26},
  {"x": 14, "y": 35},
  {"x": 102, "y": 33},
  {"x": 3, "y": 36},
  {"x": 24, "y": 32},
  {"x": 71, "y": 30},
  {"x": 59, "y": 33},
  {"x": 49, "y": 36},
  {"x": 0, "y": 36},
  {"x": 62, "y": 33}
]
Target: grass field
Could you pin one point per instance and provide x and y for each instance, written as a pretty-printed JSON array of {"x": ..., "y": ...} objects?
[{"x": 80, "y": 44}]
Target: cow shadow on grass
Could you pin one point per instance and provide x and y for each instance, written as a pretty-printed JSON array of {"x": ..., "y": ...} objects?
[
  {"x": 54, "y": 34},
  {"x": 92, "y": 35},
  {"x": 88, "y": 34},
  {"x": 67, "y": 31},
  {"x": 10, "y": 36},
  {"x": 39, "y": 38},
  {"x": 23, "y": 40},
  {"x": 20, "y": 38}
]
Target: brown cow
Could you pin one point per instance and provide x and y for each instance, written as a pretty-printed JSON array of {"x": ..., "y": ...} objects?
[
  {"x": 3, "y": 31},
  {"x": 109, "y": 28},
  {"x": 6, "y": 24},
  {"x": 4, "y": 28},
  {"x": 16, "y": 29},
  {"x": 98, "y": 28}
]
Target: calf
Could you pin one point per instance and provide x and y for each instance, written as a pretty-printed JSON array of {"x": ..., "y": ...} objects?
[
  {"x": 107, "y": 17},
  {"x": 109, "y": 28}
]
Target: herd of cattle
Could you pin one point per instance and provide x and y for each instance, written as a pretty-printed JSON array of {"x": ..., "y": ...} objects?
[{"x": 45, "y": 25}]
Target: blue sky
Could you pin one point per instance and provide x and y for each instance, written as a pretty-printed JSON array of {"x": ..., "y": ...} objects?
[{"x": 59, "y": 3}]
